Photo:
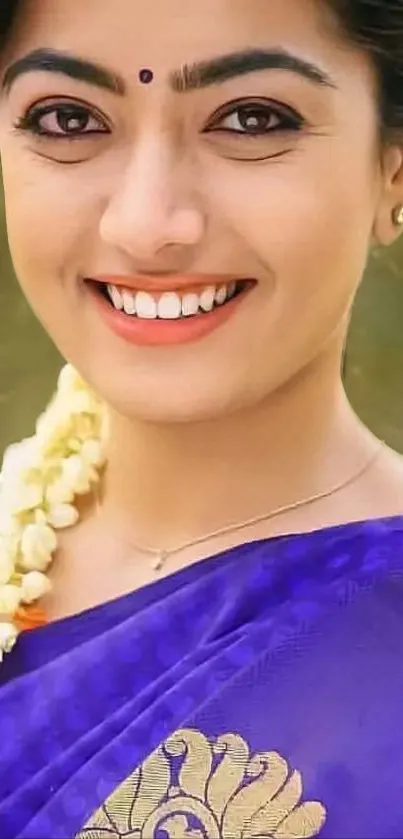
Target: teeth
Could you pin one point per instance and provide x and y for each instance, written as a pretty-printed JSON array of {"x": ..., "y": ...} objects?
[
  {"x": 221, "y": 295},
  {"x": 207, "y": 299},
  {"x": 231, "y": 289},
  {"x": 146, "y": 306},
  {"x": 190, "y": 305},
  {"x": 171, "y": 305},
  {"x": 129, "y": 303},
  {"x": 116, "y": 297}
]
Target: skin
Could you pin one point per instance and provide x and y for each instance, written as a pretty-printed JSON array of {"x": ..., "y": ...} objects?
[{"x": 258, "y": 405}]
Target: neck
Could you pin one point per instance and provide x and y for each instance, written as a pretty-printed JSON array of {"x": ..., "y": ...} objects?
[{"x": 168, "y": 484}]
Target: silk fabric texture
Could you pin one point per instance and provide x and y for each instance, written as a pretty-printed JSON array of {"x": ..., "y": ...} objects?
[{"x": 256, "y": 693}]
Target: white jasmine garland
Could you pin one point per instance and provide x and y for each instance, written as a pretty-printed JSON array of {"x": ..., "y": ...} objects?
[
  {"x": 62, "y": 516},
  {"x": 10, "y": 599},
  {"x": 8, "y": 638},
  {"x": 41, "y": 478},
  {"x": 34, "y": 586},
  {"x": 38, "y": 544}
]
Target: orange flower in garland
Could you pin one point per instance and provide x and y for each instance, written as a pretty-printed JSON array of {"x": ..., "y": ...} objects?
[{"x": 28, "y": 618}]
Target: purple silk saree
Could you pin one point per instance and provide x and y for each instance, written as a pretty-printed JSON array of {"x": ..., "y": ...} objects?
[{"x": 256, "y": 694}]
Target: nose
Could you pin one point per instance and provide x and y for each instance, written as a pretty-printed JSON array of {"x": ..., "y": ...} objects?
[{"x": 154, "y": 210}]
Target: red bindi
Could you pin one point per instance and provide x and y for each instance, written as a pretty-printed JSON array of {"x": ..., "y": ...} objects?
[{"x": 146, "y": 76}]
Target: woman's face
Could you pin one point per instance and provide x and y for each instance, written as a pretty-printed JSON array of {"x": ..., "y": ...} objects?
[{"x": 261, "y": 168}]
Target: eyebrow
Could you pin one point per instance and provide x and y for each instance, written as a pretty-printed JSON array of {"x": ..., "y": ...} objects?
[
  {"x": 221, "y": 69},
  {"x": 190, "y": 77},
  {"x": 53, "y": 61}
]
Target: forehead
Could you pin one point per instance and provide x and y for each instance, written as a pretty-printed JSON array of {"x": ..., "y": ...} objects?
[{"x": 163, "y": 34}]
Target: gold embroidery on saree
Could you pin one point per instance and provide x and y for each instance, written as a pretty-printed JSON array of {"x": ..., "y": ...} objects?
[{"x": 191, "y": 788}]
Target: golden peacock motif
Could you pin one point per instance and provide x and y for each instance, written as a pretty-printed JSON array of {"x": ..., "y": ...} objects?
[{"x": 190, "y": 788}]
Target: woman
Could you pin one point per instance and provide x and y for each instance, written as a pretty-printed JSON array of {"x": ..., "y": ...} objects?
[{"x": 209, "y": 538}]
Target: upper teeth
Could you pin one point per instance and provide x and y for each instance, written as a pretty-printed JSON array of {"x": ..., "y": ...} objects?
[{"x": 171, "y": 305}]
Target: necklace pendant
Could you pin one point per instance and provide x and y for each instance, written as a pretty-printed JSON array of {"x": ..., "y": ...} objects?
[{"x": 160, "y": 560}]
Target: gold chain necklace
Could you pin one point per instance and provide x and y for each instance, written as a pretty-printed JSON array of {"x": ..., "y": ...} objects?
[{"x": 161, "y": 555}]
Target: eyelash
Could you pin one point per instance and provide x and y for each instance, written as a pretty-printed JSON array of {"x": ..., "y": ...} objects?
[
  {"x": 30, "y": 121},
  {"x": 288, "y": 118}
]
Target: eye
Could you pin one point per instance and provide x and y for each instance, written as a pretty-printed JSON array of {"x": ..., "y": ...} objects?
[
  {"x": 255, "y": 119},
  {"x": 250, "y": 119},
  {"x": 67, "y": 120}
]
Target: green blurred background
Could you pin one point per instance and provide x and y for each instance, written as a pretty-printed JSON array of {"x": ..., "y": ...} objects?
[{"x": 373, "y": 368}]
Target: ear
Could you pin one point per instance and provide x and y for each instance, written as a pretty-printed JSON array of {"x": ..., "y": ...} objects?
[{"x": 386, "y": 229}]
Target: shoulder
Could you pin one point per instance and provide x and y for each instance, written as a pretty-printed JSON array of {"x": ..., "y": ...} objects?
[{"x": 386, "y": 483}]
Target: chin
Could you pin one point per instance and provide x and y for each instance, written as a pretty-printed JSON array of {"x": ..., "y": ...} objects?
[{"x": 161, "y": 405}]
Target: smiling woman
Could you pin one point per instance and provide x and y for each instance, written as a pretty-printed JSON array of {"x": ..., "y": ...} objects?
[{"x": 201, "y": 546}]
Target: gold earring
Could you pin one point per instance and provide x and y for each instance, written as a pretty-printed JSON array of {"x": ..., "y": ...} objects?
[{"x": 398, "y": 215}]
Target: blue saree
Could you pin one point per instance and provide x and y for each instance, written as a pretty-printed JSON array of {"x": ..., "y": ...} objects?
[{"x": 258, "y": 693}]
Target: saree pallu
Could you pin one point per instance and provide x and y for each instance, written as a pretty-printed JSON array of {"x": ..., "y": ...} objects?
[{"x": 258, "y": 693}]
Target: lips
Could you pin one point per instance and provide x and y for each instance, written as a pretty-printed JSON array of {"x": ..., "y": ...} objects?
[
  {"x": 159, "y": 310},
  {"x": 160, "y": 283}
]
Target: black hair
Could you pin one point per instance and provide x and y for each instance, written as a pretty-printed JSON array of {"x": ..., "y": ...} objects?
[
  {"x": 374, "y": 25},
  {"x": 8, "y": 13}
]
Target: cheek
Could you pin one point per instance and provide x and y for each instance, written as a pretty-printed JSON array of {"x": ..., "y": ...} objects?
[
  {"x": 48, "y": 217},
  {"x": 304, "y": 229},
  {"x": 303, "y": 216}
]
